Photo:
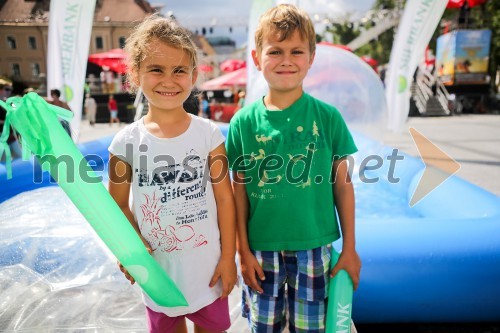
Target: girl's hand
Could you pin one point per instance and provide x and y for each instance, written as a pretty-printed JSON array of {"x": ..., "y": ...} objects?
[
  {"x": 124, "y": 271},
  {"x": 351, "y": 263},
  {"x": 226, "y": 271}
]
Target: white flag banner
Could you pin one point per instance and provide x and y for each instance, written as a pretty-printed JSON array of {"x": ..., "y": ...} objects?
[
  {"x": 419, "y": 21},
  {"x": 256, "y": 85},
  {"x": 70, "y": 27}
]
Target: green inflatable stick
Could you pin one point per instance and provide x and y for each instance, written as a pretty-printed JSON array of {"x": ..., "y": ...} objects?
[
  {"x": 338, "y": 313},
  {"x": 42, "y": 133}
]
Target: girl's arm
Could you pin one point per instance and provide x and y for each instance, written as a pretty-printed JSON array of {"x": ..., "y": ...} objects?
[
  {"x": 343, "y": 192},
  {"x": 250, "y": 268},
  {"x": 120, "y": 176},
  {"x": 226, "y": 269}
]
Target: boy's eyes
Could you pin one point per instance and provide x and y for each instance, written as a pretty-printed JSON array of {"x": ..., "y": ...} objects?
[{"x": 277, "y": 52}]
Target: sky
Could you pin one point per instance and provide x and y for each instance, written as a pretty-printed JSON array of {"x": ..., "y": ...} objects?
[{"x": 222, "y": 15}]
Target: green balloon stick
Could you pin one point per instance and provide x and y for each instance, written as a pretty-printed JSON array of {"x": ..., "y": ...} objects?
[
  {"x": 339, "y": 311},
  {"x": 38, "y": 124}
]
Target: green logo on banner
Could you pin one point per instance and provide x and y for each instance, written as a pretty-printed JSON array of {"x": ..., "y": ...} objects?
[
  {"x": 68, "y": 93},
  {"x": 402, "y": 85}
]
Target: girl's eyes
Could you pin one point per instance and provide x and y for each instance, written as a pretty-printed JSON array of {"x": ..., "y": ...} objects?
[
  {"x": 180, "y": 71},
  {"x": 177, "y": 71}
]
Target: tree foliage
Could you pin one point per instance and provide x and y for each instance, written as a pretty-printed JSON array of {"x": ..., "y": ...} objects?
[
  {"x": 379, "y": 48},
  {"x": 486, "y": 16}
]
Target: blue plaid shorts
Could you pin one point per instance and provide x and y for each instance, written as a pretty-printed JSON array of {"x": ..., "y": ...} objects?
[{"x": 296, "y": 286}]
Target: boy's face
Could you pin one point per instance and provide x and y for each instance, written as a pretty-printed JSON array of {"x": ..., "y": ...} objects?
[{"x": 284, "y": 64}]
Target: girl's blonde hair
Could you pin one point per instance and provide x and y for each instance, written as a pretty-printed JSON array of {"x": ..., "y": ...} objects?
[
  {"x": 283, "y": 20},
  {"x": 156, "y": 27}
]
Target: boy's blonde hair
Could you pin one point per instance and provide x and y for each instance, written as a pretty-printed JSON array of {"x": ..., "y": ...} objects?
[
  {"x": 283, "y": 20},
  {"x": 156, "y": 27}
]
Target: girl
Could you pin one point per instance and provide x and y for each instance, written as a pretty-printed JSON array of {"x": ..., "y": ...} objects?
[{"x": 175, "y": 166}]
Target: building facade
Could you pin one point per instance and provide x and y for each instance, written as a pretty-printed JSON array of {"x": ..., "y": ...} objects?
[{"x": 24, "y": 34}]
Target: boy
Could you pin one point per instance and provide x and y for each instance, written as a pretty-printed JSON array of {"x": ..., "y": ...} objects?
[{"x": 283, "y": 150}]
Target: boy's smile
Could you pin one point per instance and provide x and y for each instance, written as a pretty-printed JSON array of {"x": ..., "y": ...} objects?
[{"x": 284, "y": 64}]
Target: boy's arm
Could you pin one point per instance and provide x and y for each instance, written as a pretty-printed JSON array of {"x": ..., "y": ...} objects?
[
  {"x": 344, "y": 201},
  {"x": 120, "y": 176},
  {"x": 226, "y": 269},
  {"x": 250, "y": 267}
]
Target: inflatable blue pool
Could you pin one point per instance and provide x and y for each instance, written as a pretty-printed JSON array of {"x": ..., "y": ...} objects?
[{"x": 436, "y": 262}]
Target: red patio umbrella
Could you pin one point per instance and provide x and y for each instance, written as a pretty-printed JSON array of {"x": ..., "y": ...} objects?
[
  {"x": 369, "y": 60},
  {"x": 230, "y": 65},
  {"x": 205, "y": 68},
  {"x": 460, "y": 3},
  {"x": 115, "y": 59},
  {"x": 236, "y": 78}
]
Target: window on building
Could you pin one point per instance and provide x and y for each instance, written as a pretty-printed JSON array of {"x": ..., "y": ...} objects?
[
  {"x": 11, "y": 42},
  {"x": 32, "y": 43},
  {"x": 35, "y": 69},
  {"x": 99, "y": 43},
  {"x": 16, "y": 70},
  {"x": 121, "y": 40}
]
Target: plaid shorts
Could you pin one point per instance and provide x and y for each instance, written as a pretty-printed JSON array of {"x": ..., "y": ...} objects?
[{"x": 296, "y": 285}]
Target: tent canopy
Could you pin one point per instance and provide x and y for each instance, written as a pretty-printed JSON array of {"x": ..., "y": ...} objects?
[
  {"x": 460, "y": 3},
  {"x": 230, "y": 65},
  {"x": 236, "y": 78},
  {"x": 114, "y": 59}
]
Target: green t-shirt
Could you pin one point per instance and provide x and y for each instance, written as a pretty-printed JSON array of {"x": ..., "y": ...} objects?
[{"x": 287, "y": 159}]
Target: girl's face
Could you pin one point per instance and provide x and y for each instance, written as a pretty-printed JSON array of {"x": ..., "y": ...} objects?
[
  {"x": 166, "y": 77},
  {"x": 284, "y": 64}
]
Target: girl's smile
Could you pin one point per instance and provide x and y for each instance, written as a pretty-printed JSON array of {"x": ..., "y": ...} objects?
[{"x": 166, "y": 77}]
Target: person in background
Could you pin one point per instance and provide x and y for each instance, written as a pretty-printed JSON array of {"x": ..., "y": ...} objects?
[
  {"x": 241, "y": 100},
  {"x": 113, "y": 110},
  {"x": 107, "y": 80},
  {"x": 28, "y": 90},
  {"x": 288, "y": 153},
  {"x": 204, "y": 106},
  {"x": 177, "y": 174},
  {"x": 5, "y": 92},
  {"x": 90, "y": 108},
  {"x": 56, "y": 100}
]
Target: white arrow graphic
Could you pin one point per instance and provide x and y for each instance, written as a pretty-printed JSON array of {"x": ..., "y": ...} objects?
[{"x": 439, "y": 166}]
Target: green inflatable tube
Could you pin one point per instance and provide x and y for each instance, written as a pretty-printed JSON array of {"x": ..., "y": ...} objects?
[
  {"x": 339, "y": 311},
  {"x": 41, "y": 132}
]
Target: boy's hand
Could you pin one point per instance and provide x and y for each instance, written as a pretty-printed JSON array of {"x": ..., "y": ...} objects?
[
  {"x": 351, "y": 263},
  {"x": 250, "y": 270},
  {"x": 124, "y": 271},
  {"x": 226, "y": 271}
]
